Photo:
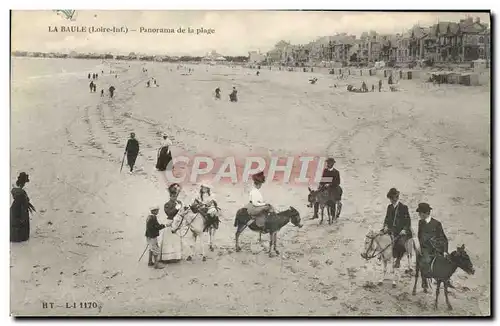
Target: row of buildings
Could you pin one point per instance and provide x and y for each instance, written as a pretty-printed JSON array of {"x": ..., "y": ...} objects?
[{"x": 463, "y": 41}]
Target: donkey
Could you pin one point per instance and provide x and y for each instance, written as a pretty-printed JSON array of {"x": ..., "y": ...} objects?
[
  {"x": 211, "y": 220},
  {"x": 379, "y": 244},
  {"x": 273, "y": 224},
  {"x": 194, "y": 222},
  {"x": 442, "y": 268},
  {"x": 324, "y": 198}
]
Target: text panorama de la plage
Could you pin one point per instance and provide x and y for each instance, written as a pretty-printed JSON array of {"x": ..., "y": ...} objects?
[{"x": 123, "y": 29}]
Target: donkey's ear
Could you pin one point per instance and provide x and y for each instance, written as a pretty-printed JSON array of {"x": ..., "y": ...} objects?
[
  {"x": 462, "y": 247},
  {"x": 309, "y": 188}
]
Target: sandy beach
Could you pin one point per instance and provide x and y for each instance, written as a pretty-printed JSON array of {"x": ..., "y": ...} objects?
[{"x": 430, "y": 142}]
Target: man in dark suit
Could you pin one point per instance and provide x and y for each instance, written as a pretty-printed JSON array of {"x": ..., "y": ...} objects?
[
  {"x": 432, "y": 239},
  {"x": 398, "y": 223},
  {"x": 330, "y": 178},
  {"x": 132, "y": 151}
]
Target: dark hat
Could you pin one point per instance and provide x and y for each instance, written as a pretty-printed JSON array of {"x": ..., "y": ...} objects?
[
  {"x": 23, "y": 177},
  {"x": 174, "y": 188},
  {"x": 259, "y": 177},
  {"x": 330, "y": 160},
  {"x": 424, "y": 208},
  {"x": 393, "y": 192}
]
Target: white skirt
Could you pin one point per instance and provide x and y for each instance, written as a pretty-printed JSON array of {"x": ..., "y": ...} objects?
[{"x": 170, "y": 246}]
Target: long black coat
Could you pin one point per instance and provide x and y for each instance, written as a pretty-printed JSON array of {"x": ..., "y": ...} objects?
[
  {"x": 398, "y": 219},
  {"x": 164, "y": 158},
  {"x": 431, "y": 236},
  {"x": 19, "y": 216},
  {"x": 132, "y": 147},
  {"x": 330, "y": 177}
]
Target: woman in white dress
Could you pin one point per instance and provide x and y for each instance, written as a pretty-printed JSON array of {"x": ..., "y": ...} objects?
[{"x": 171, "y": 245}]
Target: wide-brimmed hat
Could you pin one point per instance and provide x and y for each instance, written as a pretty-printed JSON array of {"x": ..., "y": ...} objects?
[
  {"x": 173, "y": 188},
  {"x": 330, "y": 160},
  {"x": 154, "y": 208},
  {"x": 393, "y": 192},
  {"x": 164, "y": 134},
  {"x": 259, "y": 177},
  {"x": 23, "y": 177},
  {"x": 205, "y": 184},
  {"x": 424, "y": 208}
]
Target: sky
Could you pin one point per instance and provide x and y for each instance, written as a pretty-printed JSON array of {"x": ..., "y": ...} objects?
[{"x": 236, "y": 32}]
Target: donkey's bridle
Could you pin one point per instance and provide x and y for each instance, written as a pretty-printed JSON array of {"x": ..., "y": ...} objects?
[{"x": 375, "y": 254}]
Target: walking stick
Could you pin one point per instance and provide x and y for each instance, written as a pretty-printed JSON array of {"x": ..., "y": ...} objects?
[
  {"x": 123, "y": 160},
  {"x": 147, "y": 245}
]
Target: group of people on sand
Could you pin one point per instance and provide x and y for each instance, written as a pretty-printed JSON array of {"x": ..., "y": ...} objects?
[
  {"x": 168, "y": 249},
  {"x": 163, "y": 157},
  {"x": 148, "y": 83},
  {"x": 397, "y": 223},
  {"x": 364, "y": 88},
  {"x": 94, "y": 76},
  {"x": 233, "y": 96},
  {"x": 93, "y": 85}
]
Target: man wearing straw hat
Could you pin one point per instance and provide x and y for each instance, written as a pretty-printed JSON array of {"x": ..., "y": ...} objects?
[{"x": 153, "y": 228}]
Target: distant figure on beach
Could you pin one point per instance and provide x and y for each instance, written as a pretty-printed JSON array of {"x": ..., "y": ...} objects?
[
  {"x": 111, "y": 91},
  {"x": 102, "y": 92},
  {"x": 373, "y": 88},
  {"x": 89, "y": 75},
  {"x": 102, "y": 72},
  {"x": 91, "y": 86},
  {"x": 20, "y": 210},
  {"x": 154, "y": 80},
  {"x": 258, "y": 73},
  {"x": 95, "y": 88},
  {"x": 132, "y": 151},
  {"x": 217, "y": 93},
  {"x": 164, "y": 154},
  {"x": 148, "y": 83},
  {"x": 389, "y": 80},
  {"x": 116, "y": 76},
  {"x": 233, "y": 97},
  {"x": 363, "y": 87},
  {"x": 96, "y": 76},
  {"x": 380, "y": 85}
]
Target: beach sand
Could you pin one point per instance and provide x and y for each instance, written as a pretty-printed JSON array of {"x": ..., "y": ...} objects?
[{"x": 432, "y": 143}]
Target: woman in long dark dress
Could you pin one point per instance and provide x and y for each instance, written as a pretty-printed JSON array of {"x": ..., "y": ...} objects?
[
  {"x": 164, "y": 154},
  {"x": 19, "y": 211}
]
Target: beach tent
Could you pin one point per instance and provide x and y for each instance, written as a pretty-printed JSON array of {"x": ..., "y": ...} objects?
[
  {"x": 379, "y": 64},
  {"x": 469, "y": 79},
  {"x": 480, "y": 64}
]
